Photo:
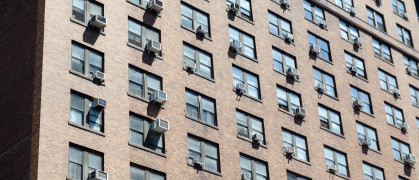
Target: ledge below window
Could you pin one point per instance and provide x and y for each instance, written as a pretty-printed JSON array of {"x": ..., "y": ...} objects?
[
  {"x": 330, "y": 131},
  {"x": 299, "y": 160},
  {"x": 207, "y": 170},
  {"x": 367, "y": 113},
  {"x": 145, "y": 9},
  {"x": 193, "y": 31},
  {"x": 138, "y": 97},
  {"x": 357, "y": 76},
  {"x": 146, "y": 149},
  {"x": 200, "y": 75},
  {"x": 379, "y": 152},
  {"x": 385, "y": 60},
  {"x": 204, "y": 123},
  {"x": 248, "y": 57},
  {"x": 280, "y": 37},
  {"x": 85, "y": 25},
  {"x": 143, "y": 50},
  {"x": 251, "y": 141},
  {"x": 286, "y": 112},
  {"x": 317, "y": 24},
  {"x": 339, "y": 175},
  {"x": 86, "y": 129},
  {"x": 86, "y": 77}
]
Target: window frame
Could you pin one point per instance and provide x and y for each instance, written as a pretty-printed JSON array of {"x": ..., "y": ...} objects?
[
  {"x": 249, "y": 125},
  {"x": 242, "y": 34},
  {"x": 141, "y": 4},
  {"x": 297, "y": 176},
  {"x": 197, "y": 60},
  {"x": 85, "y": 160},
  {"x": 318, "y": 43},
  {"x": 245, "y": 81},
  {"x": 381, "y": 55},
  {"x": 388, "y": 76},
  {"x": 405, "y": 31},
  {"x": 397, "y": 7},
  {"x": 145, "y": 133},
  {"x": 145, "y": 96},
  {"x": 203, "y": 143},
  {"x": 144, "y": 37},
  {"x": 147, "y": 171},
  {"x": 87, "y": 11},
  {"x": 415, "y": 95},
  {"x": 249, "y": 18},
  {"x": 344, "y": 5},
  {"x": 409, "y": 62},
  {"x": 348, "y": 31},
  {"x": 366, "y": 134},
  {"x": 195, "y": 23},
  {"x": 201, "y": 108},
  {"x": 313, "y": 12},
  {"x": 394, "y": 109},
  {"x": 399, "y": 150},
  {"x": 294, "y": 143},
  {"x": 354, "y": 60},
  {"x": 289, "y": 104},
  {"x": 253, "y": 165},
  {"x": 88, "y": 101},
  {"x": 335, "y": 160},
  {"x": 284, "y": 57},
  {"x": 373, "y": 170},
  {"x": 323, "y": 81},
  {"x": 360, "y": 92},
  {"x": 279, "y": 26},
  {"x": 417, "y": 123},
  {"x": 86, "y": 62},
  {"x": 330, "y": 121},
  {"x": 374, "y": 19}
]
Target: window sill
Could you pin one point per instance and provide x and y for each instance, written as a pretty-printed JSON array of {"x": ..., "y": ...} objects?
[
  {"x": 250, "y": 97},
  {"x": 383, "y": 59},
  {"x": 142, "y": 7},
  {"x": 367, "y": 113},
  {"x": 415, "y": 105},
  {"x": 85, "y": 25},
  {"x": 280, "y": 37},
  {"x": 142, "y": 49},
  {"x": 138, "y": 97},
  {"x": 333, "y": 97},
  {"x": 388, "y": 92},
  {"x": 328, "y": 130},
  {"x": 193, "y": 31},
  {"x": 251, "y": 141},
  {"x": 377, "y": 151},
  {"x": 280, "y": 5},
  {"x": 86, "y": 129},
  {"x": 316, "y": 24},
  {"x": 200, "y": 75},
  {"x": 356, "y": 75},
  {"x": 204, "y": 123},
  {"x": 414, "y": 76},
  {"x": 339, "y": 175},
  {"x": 297, "y": 80},
  {"x": 248, "y": 57},
  {"x": 286, "y": 112},
  {"x": 349, "y": 41},
  {"x": 207, "y": 170},
  {"x": 146, "y": 149},
  {"x": 243, "y": 18},
  {"x": 86, "y": 77},
  {"x": 401, "y": 16},
  {"x": 299, "y": 160},
  {"x": 397, "y": 127}
]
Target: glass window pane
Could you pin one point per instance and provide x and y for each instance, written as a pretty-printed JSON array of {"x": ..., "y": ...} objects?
[
  {"x": 137, "y": 174},
  {"x": 95, "y": 161},
  {"x": 153, "y": 82},
  {"x": 260, "y": 168}
]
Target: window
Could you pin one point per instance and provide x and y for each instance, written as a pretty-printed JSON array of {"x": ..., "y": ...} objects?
[
  {"x": 143, "y": 84},
  {"x": 83, "y": 161},
  {"x": 192, "y": 18},
  {"x": 323, "y": 44},
  {"x": 387, "y": 81},
  {"x": 330, "y": 119},
  {"x": 365, "y": 97},
  {"x": 347, "y": 31},
  {"x": 312, "y": 12},
  {"x": 414, "y": 93},
  {"x": 204, "y": 149},
  {"x": 376, "y": 19},
  {"x": 139, "y": 173},
  {"x": 202, "y": 60},
  {"x": 294, "y": 176},
  {"x": 345, "y": 4},
  {"x": 139, "y": 35},
  {"x": 373, "y": 172},
  {"x": 394, "y": 115},
  {"x": 247, "y": 41},
  {"x": 278, "y": 25},
  {"x": 402, "y": 178},
  {"x": 250, "y": 81},
  {"x": 83, "y": 114},
  {"x": 257, "y": 169},
  {"x": 404, "y": 36},
  {"x": 283, "y": 61},
  {"x": 398, "y": 7},
  {"x": 83, "y": 10},
  {"x": 338, "y": 159},
  {"x": 245, "y": 8},
  {"x": 417, "y": 122},
  {"x": 200, "y": 108},
  {"x": 140, "y": 133},
  {"x": 326, "y": 79},
  {"x": 85, "y": 61},
  {"x": 142, "y": 3},
  {"x": 410, "y": 63},
  {"x": 382, "y": 50},
  {"x": 291, "y": 139},
  {"x": 365, "y": 131},
  {"x": 249, "y": 125},
  {"x": 400, "y": 149},
  {"x": 288, "y": 100},
  {"x": 353, "y": 61}
]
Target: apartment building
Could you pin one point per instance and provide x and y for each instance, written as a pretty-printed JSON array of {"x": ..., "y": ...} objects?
[{"x": 209, "y": 89}]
